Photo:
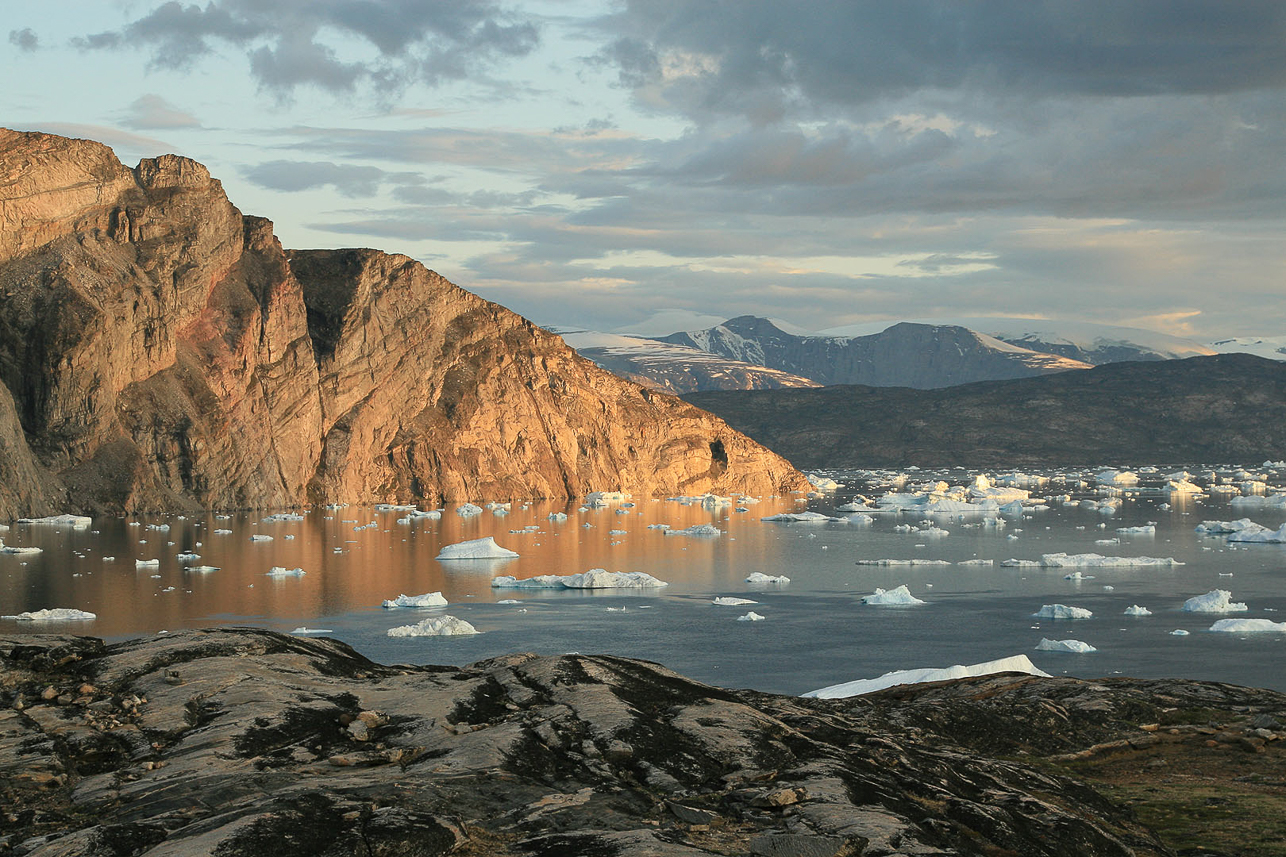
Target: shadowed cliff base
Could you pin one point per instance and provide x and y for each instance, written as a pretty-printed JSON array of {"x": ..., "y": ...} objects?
[
  {"x": 159, "y": 350},
  {"x": 1226, "y": 408},
  {"x": 239, "y": 741}
]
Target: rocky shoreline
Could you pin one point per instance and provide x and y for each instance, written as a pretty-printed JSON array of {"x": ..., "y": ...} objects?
[{"x": 246, "y": 742}]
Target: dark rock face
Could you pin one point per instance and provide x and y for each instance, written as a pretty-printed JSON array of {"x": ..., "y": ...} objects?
[
  {"x": 245, "y": 742},
  {"x": 158, "y": 350},
  {"x": 1229, "y": 407},
  {"x": 906, "y": 355}
]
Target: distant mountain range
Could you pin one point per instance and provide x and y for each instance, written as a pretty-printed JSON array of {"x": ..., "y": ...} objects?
[
  {"x": 1224, "y": 408},
  {"x": 749, "y": 352}
]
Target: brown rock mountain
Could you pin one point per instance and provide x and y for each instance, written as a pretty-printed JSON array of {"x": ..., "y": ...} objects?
[{"x": 158, "y": 349}]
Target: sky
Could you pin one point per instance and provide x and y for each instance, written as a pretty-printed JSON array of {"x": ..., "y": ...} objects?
[{"x": 826, "y": 163}]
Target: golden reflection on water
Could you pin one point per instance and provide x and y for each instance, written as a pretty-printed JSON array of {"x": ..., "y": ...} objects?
[{"x": 349, "y": 566}]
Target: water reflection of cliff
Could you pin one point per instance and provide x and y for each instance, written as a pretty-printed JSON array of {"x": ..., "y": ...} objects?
[{"x": 350, "y": 566}]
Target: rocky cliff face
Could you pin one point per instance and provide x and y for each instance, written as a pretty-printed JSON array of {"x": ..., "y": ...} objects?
[
  {"x": 158, "y": 351},
  {"x": 905, "y": 355}
]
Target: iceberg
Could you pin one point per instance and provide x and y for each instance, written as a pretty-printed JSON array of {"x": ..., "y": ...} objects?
[
  {"x": 1145, "y": 530},
  {"x": 1136, "y": 610},
  {"x": 1262, "y": 535},
  {"x": 595, "y": 578},
  {"x": 1248, "y": 626},
  {"x": 305, "y": 630},
  {"x": 822, "y": 483},
  {"x": 1061, "y": 611},
  {"x": 752, "y": 616},
  {"x": 1073, "y": 646},
  {"x": 260, "y": 538},
  {"x": 1093, "y": 560},
  {"x": 428, "y": 599},
  {"x": 598, "y": 499},
  {"x": 760, "y": 578},
  {"x": 281, "y": 571},
  {"x": 147, "y": 563},
  {"x": 77, "y": 521},
  {"x": 1214, "y": 601},
  {"x": 730, "y": 601},
  {"x": 900, "y": 595},
  {"x": 53, "y": 614},
  {"x": 805, "y": 518},
  {"x": 892, "y": 562},
  {"x": 483, "y": 548},
  {"x": 696, "y": 530},
  {"x": 468, "y": 510},
  {"x": 1116, "y": 477},
  {"x": 282, "y": 517},
  {"x": 1220, "y": 528},
  {"x": 438, "y": 626},
  {"x": 1015, "y": 664},
  {"x": 4, "y": 548}
]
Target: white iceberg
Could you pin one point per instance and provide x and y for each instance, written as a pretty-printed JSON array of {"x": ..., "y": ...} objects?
[
  {"x": 899, "y": 562},
  {"x": 752, "y": 616},
  {"x": 1248, "y": 626},
  {"x": 281, "y": 571},
  {"x": 805, "y": 518},
  {"x": 483, "y": 548},
  {"x": 760, "y": 578},
  {"x": 730, "y": 601},
  {"x": 1136, "y": 610},
  {"x": 1144, "y": 530},
  {"x": 1016, "y": 664},
  {"x": 468, "y": 510},
  {"x": 199, "y": 569},
  {"x": 598, "y": 499},
  {"x": 305, "y": 630},
  {"x": 1214, "y": 601},
  {"x": 1116, "y": 477},
  {"x": 696, "y": 530},
  {"x": 281, "y": 518},
  {"x": 428, "y": 599},
  {"x": 1061, "y": 611},
  {"x": 438, "y": 626},
  {"x": 147, "y": 563},
  {"x": 1262, "y": 535},
  {"x": 1220, "y": 528},
  {"x": 1179, "y": 633},
  {"x": 53, "y": 614},
  {"x": 77, "y": 521},
  {"x": 595, "y": 578},
  {"x": 900, "y": 595},
  {"x": 1093, "y": 560},
  {"x": 4, "y": 548},
  {"x": 260, "y": 538},
  {"x": 1073, "y": 646}
]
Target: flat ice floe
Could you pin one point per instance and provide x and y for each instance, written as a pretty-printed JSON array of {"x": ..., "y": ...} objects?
[
  {"x": 761, "y": 578},
  {"x": 1214, "y": 601},
  {"x": 483, "y": 548},
  {"x": 1090, "y": 560},
  {"x": 1061, "y": 611},
  {"x": 805, "y": 518},
  {"x": 892, "y": 562},
  {"x": 282, "y": 571},
  {"x": 428, "y": 599},
  {"x": 730, "y": 601},
  {"x": 752, "y": 616},
  {"x": 305, "y": 630},
  {"x": 1072, "y": 646},
  {"x": 438, "y": 626},
  {"x": 1248, "y": 626},
  {"x": 1015, "y": 664},
  {"x": 53, "y": 614},
  {"x": 4, "y": 548},
  {"x": 899, "y": 596},
  {"x": 595, "y": 578},
  {"x": 77, "y": 521},
  {"x": 696, "y": 530}
]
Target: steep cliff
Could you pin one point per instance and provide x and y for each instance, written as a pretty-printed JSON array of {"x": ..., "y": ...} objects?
[{"x": 156, "y": 351}]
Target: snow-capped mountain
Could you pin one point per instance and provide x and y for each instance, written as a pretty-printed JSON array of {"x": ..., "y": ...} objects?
[
  {"x": 675, "y": 368},
  {"x": 1084, "y": 341},
  {"x": 905, "y": 355},
  {"x": 1272, "y": 347}
]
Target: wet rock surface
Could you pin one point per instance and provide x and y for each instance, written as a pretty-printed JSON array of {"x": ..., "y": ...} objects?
[{"x": 246, "y": 742}]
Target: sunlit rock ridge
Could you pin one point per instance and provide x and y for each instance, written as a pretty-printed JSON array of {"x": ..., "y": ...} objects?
[{"x": 159, "y": 349}]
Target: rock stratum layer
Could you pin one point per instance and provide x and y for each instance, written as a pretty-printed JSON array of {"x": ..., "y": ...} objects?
[
  {"x": 158, "y": 349},
  {"x": 242, "y": 742}
]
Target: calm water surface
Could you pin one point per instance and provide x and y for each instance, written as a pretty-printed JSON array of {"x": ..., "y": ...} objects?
[{"x": 816, "y": 631}]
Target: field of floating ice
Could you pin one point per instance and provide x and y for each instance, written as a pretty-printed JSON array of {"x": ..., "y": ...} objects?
[{"x": 1051, "y": 542}]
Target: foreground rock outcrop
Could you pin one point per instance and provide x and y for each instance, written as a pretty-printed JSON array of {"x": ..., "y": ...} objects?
[
  {"x": 245, "y": 742},
  {"x": 158, "y": 349}
]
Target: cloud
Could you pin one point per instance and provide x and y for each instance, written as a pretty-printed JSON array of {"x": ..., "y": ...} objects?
[
  {"x": 350, "y": 180},
  {"x": 291, "y": 43},
  {"x": 154, "y": 112},
  {"x": 24, "y": 39}
]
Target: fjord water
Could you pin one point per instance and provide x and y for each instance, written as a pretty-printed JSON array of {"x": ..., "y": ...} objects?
[{"x": 815, "y": 630}]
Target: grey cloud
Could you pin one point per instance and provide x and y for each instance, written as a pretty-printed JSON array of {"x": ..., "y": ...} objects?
[
  {"x": 350, "y": 180},
  {"x": 24, "y": 39},
  {"x": 285, "y": 40},
  {"x": 153, "y": 112}
]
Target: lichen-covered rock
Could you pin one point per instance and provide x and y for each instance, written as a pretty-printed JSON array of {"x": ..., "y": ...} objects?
[
  {"x": 157, "y": 351},
  {"x": 237, "y": 741}
]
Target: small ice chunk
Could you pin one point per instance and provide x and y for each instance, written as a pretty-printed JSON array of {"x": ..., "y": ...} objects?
[
  {"x": 1214, "y": 601},
  {"x": 53, "y": 614},
  {"x": 1179, "y": 632},
  {"x": 438, "y": 626},
  {"x": 731, "y": 601},
  {"x": 1136, "y": 610},
  {"x": 1073, "y": 646},
  {"x": 752, "y": 616},
  {"x": 147, "y": 563},
  {"x": 484, "y": 548},
  {"x": 1061, "y": 611},
  {"x": 260, "y": 538},
  {"x": 898, "y": 596},
  {"x": 428, "y": 599}
]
